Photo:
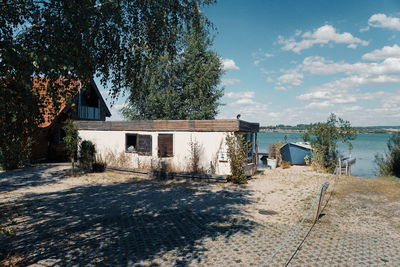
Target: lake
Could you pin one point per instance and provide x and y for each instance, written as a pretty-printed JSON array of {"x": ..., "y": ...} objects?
[{"x": 364, "y": 149}]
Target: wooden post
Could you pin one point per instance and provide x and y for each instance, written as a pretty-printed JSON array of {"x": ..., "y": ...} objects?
[
  {"x": 340, "y": 167},
  {"x": 347, "y": 168}
]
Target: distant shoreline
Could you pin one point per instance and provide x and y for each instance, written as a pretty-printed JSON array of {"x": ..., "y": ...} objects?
[{"x": 360, "y": 130}]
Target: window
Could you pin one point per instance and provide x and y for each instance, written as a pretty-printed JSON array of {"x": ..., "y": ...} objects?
[
  {"x": 137, "y": 143},
  {"x": 165, "y": 145},
  {"x": 130, "y": 142}
]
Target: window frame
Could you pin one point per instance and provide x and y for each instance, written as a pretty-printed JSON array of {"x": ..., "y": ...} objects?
[
  {"x": 158, "y": 145},
  {"x": 144, "y": 153}
]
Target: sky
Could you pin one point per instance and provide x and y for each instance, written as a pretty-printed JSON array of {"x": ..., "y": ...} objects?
[{"x": 292, "y": 62}]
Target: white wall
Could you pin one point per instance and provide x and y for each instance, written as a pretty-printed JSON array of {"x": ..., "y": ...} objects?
[{"x": 211, "y": 144}]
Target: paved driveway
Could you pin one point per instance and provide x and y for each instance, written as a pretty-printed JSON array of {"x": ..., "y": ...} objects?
[{"x": 124, "y": 221}]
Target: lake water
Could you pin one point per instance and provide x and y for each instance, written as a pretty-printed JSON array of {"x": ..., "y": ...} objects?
[{"x": 365, "y": 146}]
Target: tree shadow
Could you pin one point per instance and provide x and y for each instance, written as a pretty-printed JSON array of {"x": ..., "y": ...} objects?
[
  {"x": 123, "y": 223},
  {"x": 32, "y": 176}
]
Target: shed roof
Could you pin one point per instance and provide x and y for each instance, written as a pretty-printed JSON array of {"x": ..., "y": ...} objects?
[{"x": 171, "y": 125}]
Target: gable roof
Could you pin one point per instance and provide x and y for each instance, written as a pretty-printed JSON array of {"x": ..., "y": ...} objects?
[{"x": 50, "y": 110}]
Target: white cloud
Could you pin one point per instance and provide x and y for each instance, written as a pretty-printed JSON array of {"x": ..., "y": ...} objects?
[
  {"x": 242, "y": 94},
  {"x": 282, "y": 88},
  {"x": 323, "y": 35},
  {"x": 260, "y": 56},
  {"x": 243, "y": 101},
  {"x": 291, "y": 77},
  {"x": 319, "y": 105},
  {"x": 320, "y": 65},
  {"x": 385, "y": 52},
  {"x": 364, "y": 29},
  {"x": 383, "y": 21},
  {"x": 228, "y": 64},
  {"x": 230, "y": 81}
]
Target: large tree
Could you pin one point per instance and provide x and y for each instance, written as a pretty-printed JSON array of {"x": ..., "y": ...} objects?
[
  {"x": 183, "y": 86},
  {"x": 76, "y": 40}
]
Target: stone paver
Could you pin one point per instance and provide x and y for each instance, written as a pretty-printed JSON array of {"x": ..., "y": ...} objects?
[{"x": 148, "y": 223}]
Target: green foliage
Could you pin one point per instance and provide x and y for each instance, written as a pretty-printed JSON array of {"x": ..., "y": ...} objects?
[
  {"x": 77, "y": 40},
  {"x": 237, "y": 153},
  {"x": 88, "y": 155},
  {"x": 323, "y": 137},
  {"x": 71, "y": 140},
  {"x": 389, "y": 164},
  {"x": 180, "y": 86}
]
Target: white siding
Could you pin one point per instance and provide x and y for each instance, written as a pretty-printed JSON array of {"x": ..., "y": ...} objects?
[{"x": 211, "y": 143}]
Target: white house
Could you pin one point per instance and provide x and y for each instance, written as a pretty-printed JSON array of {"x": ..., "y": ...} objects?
[{"x": 167, "y": 143}]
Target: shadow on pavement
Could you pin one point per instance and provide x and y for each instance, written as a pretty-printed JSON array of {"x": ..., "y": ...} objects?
[{"x": 121, "y": 223}]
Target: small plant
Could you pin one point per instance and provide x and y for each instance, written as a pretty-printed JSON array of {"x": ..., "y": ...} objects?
[
  {"x": 71, "y": 140},
  {"x": 272, "y": 151},
  {"x": 285, "y": 164},
  {"x": 194, "y": 160},
  {"x": 307, "y": 160},
  {"x": 88, "y": 155},
  {"x": 100, "y": 164},
  {"x": 237, "y": 153}
]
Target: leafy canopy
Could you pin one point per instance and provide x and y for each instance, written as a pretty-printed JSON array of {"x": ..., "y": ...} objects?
[
  {"x": 76, "y": 40},
  {"x": 180, "y": 86}
]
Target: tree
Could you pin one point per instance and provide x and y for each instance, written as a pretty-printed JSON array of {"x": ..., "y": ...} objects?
[
  {"x": 323, "y": 137},
  {"x": 71, "y": 140},
  {"x": 77, "y": 40},
  {"x": 180, "y": 87},
  {"x": 389, "y": 164}
]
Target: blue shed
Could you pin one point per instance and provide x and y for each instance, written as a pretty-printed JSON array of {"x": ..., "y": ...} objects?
[{"x": 295, "y": 152}]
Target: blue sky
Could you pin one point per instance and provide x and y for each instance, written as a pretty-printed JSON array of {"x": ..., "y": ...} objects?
[{"x": 290, "y": 62}]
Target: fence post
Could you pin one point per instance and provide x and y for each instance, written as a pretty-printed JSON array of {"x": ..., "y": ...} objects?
[{"x": 340, "y": 167}]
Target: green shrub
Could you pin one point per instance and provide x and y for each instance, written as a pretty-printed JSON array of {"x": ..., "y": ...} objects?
[
  {"x": 389, "y": 164},
  {"x": 88, "y": 152},
  {"x": 237, "y": 153}
]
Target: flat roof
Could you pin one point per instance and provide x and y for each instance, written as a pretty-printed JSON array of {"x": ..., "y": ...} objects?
[{"x": 170, "y": 125}]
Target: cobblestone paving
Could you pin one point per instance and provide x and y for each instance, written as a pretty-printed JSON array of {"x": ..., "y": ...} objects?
[{"x": 126, "y": 225}]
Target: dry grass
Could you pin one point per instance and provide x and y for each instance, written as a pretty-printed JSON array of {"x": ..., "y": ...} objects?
[{"x": 366, "y": 205}]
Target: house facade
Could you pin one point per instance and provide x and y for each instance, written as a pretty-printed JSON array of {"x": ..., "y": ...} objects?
[
  {"x": 87, "y": 104},
  {"x": 169, "y": 144}
]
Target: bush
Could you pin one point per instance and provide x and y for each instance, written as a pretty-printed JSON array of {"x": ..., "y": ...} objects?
[
  {"x": 323, "y": 137},
  {"x": 285, "y": 164},
  {"x": 88, "y": 153},
  {"x": 389, "y": 164},
  {"x": 237, "y": 153},
  {"x": 99, "y": 165}
]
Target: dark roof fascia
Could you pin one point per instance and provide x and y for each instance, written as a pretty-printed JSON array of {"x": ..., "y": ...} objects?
[{"x": 170, "y": 125}]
